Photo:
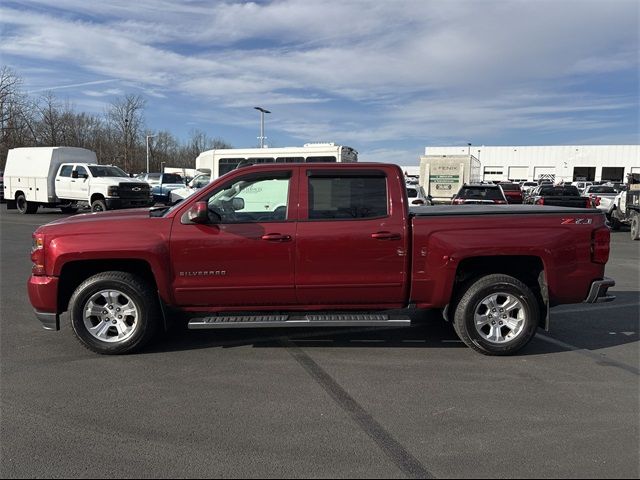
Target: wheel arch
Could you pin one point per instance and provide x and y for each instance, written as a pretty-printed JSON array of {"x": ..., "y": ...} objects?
[
  {"x": 96, "y": 196},
  {"x": 529, "y": 269},
  {"x": 74, "y": 273}
]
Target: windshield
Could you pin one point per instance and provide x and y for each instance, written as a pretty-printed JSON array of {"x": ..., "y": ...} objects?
[
  {"x": 481, "y": 193},
  {"x": 412, "y": 192},
  {"x": 568, "y": 191},
  {"x": 602, "y": 190},
  {"x": 107, "y": 171},
  {"x": 172, "y": 178}
]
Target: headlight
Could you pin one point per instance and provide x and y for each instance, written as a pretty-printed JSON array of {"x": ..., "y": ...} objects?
[
  {"x": 112, "y": 191},
  {"x": 37, "y": 254}
]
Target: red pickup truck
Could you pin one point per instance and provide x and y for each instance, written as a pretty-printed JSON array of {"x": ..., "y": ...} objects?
[{"x": 307, "y": 245}]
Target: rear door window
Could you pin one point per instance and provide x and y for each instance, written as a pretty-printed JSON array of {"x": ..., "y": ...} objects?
[{"x": 344, "y": 196}]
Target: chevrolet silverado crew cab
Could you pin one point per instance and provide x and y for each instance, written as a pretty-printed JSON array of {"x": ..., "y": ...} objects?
[{"x": 315, "y": 245}]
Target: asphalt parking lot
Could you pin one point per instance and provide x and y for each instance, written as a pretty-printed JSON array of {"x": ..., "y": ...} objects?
[{"x": 394, "y": 403}]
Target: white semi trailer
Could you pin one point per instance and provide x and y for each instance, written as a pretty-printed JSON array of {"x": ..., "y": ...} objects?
[{"x": 441, "y": 176}]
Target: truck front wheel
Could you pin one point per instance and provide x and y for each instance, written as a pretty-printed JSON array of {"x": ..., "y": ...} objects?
[
  {"x": 114, "y": 313},
  {"x": 98, "y": 205},
  {"x": 24, "y": 206},
  {"x": 496, "y": 315}
]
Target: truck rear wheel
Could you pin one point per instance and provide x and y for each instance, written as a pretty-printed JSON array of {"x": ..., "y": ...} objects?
[
  {"x": 635, "y": 226},
  {"x": 497, "y": 315},
  {"x": 114, "y": 313},
  {"x": 25, "y": 207}
]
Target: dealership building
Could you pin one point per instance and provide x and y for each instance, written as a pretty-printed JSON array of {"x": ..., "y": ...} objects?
[{"x": 562, "y": 163}]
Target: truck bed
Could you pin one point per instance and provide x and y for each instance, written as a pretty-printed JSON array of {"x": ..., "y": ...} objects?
[{"x": 447, "y": 210}]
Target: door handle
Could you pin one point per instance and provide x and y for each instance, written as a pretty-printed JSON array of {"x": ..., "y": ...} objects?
[
  {"x": 276, "y": 237},
  {"x": 386, "y": 236}
]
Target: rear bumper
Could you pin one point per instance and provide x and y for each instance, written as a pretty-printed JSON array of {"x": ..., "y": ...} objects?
[
  {"x": 50, "y": 321},
  {"x": 598, "y": 292}
]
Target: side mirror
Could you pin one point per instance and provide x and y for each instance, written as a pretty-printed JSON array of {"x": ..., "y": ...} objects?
[
  {"x": 237, "y": 204},
  {"x": 74, "y": 174},
  {"x": 85, "y": 175},
  {"x": 199, "y": 213}
]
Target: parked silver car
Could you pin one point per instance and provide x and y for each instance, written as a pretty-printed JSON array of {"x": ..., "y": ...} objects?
[{"x": 417, "y": 196}]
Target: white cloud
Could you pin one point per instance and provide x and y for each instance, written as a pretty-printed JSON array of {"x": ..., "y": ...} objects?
[{"x": 374, "y": 71}]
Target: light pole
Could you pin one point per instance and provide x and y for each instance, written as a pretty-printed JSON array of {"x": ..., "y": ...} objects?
[
  {"x": 148, "y": 137},
  {"x": 262, "y": 137},
  {"x": 469, "y": 151}
]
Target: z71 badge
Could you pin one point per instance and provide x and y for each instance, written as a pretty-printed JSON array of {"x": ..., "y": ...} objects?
[{"x": 577, "y": 221}]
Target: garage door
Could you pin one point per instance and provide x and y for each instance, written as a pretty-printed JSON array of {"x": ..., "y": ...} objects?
[
  {"x": 544, "y": 172},
  {"x": 518, "y": 173},
  {"x": 493, "y": 173}
]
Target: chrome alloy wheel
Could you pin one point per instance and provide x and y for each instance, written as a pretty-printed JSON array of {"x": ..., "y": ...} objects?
[
  {"x": 499, "y": 318},
  {"x": 111, "y": 316}
]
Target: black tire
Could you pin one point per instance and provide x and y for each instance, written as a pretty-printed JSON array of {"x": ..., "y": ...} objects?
[
  {"x": 475, "y": 300},
  {"x": 25, "y": 207},
  {"x": 118, "y": 290},
  {"x": 614, "y": 223},
  {"x": 635, "y": 226},
  {"x": 98, "y": 205},
  {"x": 68, "y": 209}
]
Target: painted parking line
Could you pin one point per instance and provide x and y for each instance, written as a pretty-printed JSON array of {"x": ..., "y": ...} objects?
[
  {"x": 595, "y": 308},
  {"x": 599, "y": 358}
]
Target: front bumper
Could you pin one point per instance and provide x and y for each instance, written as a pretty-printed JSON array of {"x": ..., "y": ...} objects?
[
  {"x": 43, "y": 295},
  {"x": 118, "y": 203},
  {"x": 598, "y": 292}
]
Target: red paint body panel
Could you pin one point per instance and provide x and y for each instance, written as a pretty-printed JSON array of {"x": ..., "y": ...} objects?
[
  {"x": 338, "y": 262},
  {"x": 43, "y": 293},
  {"x": 361, "y": 263},
  {"x": 441, "y": 243}
]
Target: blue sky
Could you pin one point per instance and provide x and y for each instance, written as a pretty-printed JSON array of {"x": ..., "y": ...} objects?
[{"x": 385, "y": 77}]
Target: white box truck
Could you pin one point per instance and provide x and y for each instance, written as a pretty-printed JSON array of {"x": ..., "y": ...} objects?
[
  {"x": 65, "y": 177},
  {"x": 441, "y": 176}
]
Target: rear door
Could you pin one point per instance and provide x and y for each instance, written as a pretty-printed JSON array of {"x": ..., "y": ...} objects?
[{"x": 352, "y": 240}]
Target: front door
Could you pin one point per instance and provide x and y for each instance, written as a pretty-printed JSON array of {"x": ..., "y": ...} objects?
[
  {"x": 245, "y": 256},
  {"x": 79, "y": 184},
  {"x": 63, "y": 182}
]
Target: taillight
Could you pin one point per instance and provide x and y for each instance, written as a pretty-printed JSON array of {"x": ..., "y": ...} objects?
[
  {"x": 500, "y": 201},
  {"x": 596, "y": 201},
  {"x": 458, "y": 201},
  {"x": 37, "y": 254},
  {"x": 600, "y": 245},
  {"x": 540, "y": 201}
]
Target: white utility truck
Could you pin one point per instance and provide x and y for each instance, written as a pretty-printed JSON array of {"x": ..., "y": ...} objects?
[{"x": 67, "y": 177}]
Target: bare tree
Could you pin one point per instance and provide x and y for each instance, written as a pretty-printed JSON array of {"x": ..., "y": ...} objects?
[
  {"x": 125, "y": 118},
  {"x": 51, "y": 120},
  {"x": 17, "y": 115}
]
